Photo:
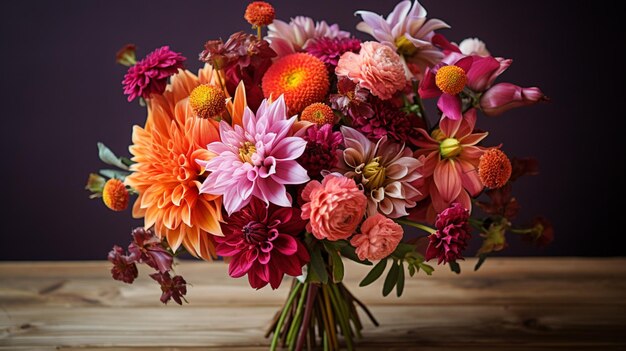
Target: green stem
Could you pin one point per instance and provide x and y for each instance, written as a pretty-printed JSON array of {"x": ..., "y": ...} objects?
[
  {"x": 523, "y": 231},
  {"x": 415, "y": 225},
  {"x": 295, "y": 324},
  {"x": 279, "y": 325},
  {"x": 342, "y": 314}
]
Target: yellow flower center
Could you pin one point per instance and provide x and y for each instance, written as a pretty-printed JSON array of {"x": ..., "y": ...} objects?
[
  {"x": 374, "y": 173},
  {"x": 294, "y": 78},
  {"x": 405, "y": 47},
  {"x": 451, "y": 79},
  {"x": 207, "y": 101},
  {"x": 450, "y": 147},
  {"x": 246, "y": 151}
]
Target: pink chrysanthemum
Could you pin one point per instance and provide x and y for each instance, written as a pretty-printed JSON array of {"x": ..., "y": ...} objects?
[
  {"x": 255, "y": 159},
  {"x": 321, "y": 149},
  {"x": 262, "y": 243},
  {"x": 149, "y": 76},
  {"x": 386, "y": 120},
  {"x": 329, "y": 50},
  {"x": 452, "y": 235},
  {"x": 376, "y": 67}
]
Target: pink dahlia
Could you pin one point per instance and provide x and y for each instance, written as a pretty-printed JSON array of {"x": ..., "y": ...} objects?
[
  {"x": 378, "y": 239},
  {"x": 407, "y": 31},
  {"x": 321, "y": 149},
  {"x": 451, "y": 160},
  {"x": 387, "y": 120},
  {"x": 255, "y": 159},
  {"x": 149, "y": 76},
  {"x": 334, "y": 207},
  {"x": 329, "y": 50},
  {"x": 452, "y": 235},
  {"x": 384, "y": 169},
  {"x": 376, "y": 67},
  {"x": 263, "y": 244},
  {"x": 295, "y": 36}
]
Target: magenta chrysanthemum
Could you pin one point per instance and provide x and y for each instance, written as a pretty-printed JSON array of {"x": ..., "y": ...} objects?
[
  {"x": 329, "y": 50},
  {"x": 256, "y": 160},
  {"x": 321, "y": 149},
  {"x": 149, "y": 76},
  {"x": 262, "y": 243},
  {"x": 386, "y": 120},
  {"x": 452, "y": 235}
]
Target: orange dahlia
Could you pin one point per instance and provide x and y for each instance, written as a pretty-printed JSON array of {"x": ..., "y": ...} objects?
[
  {"x": 494, "y": 168},
  {"x": 166, "y": 174},
  {"x": 301, "y": 78}
]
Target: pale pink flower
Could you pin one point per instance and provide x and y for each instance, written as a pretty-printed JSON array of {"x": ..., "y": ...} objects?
[
  {"x": 384, "y": 170},
  {"x": 288, "y": 38},
  {"x": 255, "y": 159},
  {"x": 376, "y": 67},
  {"x": 474, "y": 46},
  {"x": 451, "y": 160},
  {"x": 407, "y": 31},
  {"x": 334, "y": 207},
  {"x": 506, "y": 96},
  {"x": 378, "y": 239}
]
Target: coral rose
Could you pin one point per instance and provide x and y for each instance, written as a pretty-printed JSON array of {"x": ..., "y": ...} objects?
[
  {"x": 377, "y": 67},
  {"x": 378, "y": 239},
  {"x": 334, "y": 207}
]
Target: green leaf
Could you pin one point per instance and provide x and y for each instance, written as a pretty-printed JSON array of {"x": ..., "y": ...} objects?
[
  {"x": 317, "y": 264},
  {"x": 412, "y": 270},
  {"x": 107, "y": 156},
  {"x": 349, "y": 252},
  {"x": 481, "y": 259},
  {"x": 392, "y": 279},
  {"x": 400, "y": 284},
  {"x": 403, "y": 249},
  {"x": 95, "y": 183},
  {"x": 426, "y": 268},
  {"x": 454, "y": 266},
  {"x": 337, "y": 265},
  {"x": 114, "y": 173},
  {"x": 127, "y": 161},
  {"x": 376, "y": 272}
]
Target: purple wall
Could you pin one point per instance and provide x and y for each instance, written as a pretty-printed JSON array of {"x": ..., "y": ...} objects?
[{"x": 61, "y": 94}]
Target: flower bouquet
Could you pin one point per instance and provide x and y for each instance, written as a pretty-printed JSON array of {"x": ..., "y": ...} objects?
[{"x": 291, "y": 152}]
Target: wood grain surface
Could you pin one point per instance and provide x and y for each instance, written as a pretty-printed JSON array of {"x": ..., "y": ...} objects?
[{"x": 510, "y": 304}]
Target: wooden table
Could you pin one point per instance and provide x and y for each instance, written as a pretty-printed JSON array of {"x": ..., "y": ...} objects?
[{"x": 512, "y": 303}]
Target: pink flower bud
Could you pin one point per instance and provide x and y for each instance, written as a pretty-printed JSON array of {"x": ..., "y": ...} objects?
[{"x": 506, "y": 96}]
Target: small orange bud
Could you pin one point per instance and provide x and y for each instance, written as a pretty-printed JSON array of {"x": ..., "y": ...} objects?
[
  {"x": 259, "y": 13},
  {"x": 115, "y": 195},
  {"x": 494, "y": 168},
  {"x": 318, "y": 113}
]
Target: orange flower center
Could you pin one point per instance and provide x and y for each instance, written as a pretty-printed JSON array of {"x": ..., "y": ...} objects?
[
  {"x": 246, "y": 151},
  {"x": 451, "y": 79},
  {"x": 494, "y": 168},
  {"x": 207, "y": 101},
  {"x": 450, "y": 147}
]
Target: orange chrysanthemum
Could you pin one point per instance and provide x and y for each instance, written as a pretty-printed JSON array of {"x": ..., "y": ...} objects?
[
  {"x": 259, "y": 13},
  {"x": 166, "y": 174},
  {"x": 114, "y": 195},
  {"x": 318, "y": 113},
  {"x": 494, "y": 168},
  {"x": 301, "y": 78}
]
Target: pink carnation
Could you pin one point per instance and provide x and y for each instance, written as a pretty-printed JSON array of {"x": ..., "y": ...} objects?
[
  {"x": 149, "y": 76},
  {"x": 334, "y": 207},
  {"x": 377, "y": 68},
  {"x": 378, "y": 239}
]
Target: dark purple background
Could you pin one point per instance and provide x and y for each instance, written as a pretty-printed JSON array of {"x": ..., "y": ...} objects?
[{"x": 61, "y": 94}]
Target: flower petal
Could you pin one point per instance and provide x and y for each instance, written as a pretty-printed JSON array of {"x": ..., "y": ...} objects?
[
  {"x": 447, "y": 178},
  {"x": 450, "y": 105}
]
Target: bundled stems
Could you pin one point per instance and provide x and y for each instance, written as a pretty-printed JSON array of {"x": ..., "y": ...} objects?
[{"x": 318, "y": 313}]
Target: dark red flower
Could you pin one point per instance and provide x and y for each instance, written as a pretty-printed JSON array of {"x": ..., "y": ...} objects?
[
  {"x": 543, "y": 233},
  {"x": 502, "y": 202},
  {"x": 172, "y": 287},
  {"x": 387, "y": 119},
  {"x": 329, "y": 50},
  {"x": 243, "y": 57},
  {"x": 149, "y": 76},
  {"x": 320, "y": 153},
  {"x": 263, "y": 243},
  {"x": 523, "y": 166},
  {"x": 452, "y": 235},
  {"x": 124, "y": 267},
  {"x": 351, "y": 99},
  {"x": 147, "y": 248}
]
